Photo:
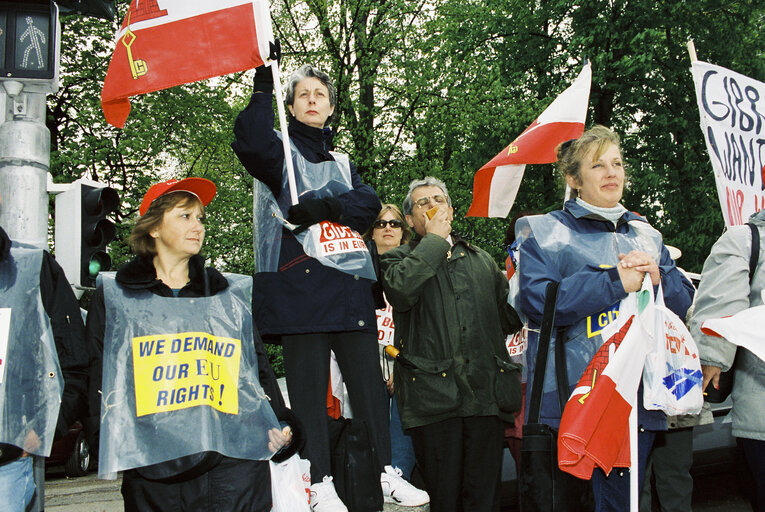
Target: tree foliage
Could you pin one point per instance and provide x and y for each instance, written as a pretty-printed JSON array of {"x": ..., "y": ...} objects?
[{"x": 432, "y": 87}]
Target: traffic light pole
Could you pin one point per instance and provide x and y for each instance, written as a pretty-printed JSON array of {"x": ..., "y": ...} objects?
[{"x": 24, "y": 164}]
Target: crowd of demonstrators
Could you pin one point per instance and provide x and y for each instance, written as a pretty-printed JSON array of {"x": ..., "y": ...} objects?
[
  {"x": 728, "y": 286},
  {"x": 165, "y": 289},
  {"x": 441, "y": 301},
  {"x": 598, "y": 252},
  {"x": 43, "y": 364},
  {"x": 308, "y": 307},
  {"x": 456, "y": 384},
  {"x": 389, "y": 231}
]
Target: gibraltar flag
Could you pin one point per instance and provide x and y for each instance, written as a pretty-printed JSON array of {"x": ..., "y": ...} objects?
[
  {"x": 594, "y": 429},
  {"x": 496, "y": 184},
  {"x": 743, "y": 329},
  {"x": 164, "y": 43}
]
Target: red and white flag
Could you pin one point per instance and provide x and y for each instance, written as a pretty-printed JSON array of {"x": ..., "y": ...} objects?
[
  {"x": 164, "y": 43},
  {"x": 743, "y": 329},
  {"x": 594, "y": 428},
  {"x": 496, "y": 184}
]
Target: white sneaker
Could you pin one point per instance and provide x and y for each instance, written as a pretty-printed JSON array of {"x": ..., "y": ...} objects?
[
  {"x": 397, "y": 490},
  {"x": 324, "y": 497}
]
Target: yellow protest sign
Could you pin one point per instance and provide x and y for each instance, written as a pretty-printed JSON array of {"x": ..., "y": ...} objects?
[{"x": 187, "y": 369}]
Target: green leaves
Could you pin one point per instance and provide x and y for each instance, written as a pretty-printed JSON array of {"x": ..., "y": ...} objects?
[{"x": 432, "y": 88}]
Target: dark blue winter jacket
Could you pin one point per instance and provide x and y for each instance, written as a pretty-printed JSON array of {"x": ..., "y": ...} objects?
[
  {"x": 304, "y": 296},
  {"x": 589, "y": 287}
]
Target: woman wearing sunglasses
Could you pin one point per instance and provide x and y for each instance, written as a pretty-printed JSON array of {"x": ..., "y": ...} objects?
[{"x": 389, "y": 231}]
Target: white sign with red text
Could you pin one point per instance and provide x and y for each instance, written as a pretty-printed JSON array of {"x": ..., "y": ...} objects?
[
  {"x": 338, "y": 239},
  {"x": 518, "y": 342},
  {"x": 385, "y": 325},
  {"x": 5, "y": 327}
]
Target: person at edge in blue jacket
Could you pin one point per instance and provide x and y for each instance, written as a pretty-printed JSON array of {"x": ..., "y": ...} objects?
[
  {"x": 577, "y": 247},
  {"x": 306, "y": 306}
]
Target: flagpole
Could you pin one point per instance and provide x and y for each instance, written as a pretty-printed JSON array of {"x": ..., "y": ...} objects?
[
  {"x": 692, "y": 51},
  {"x": 285, "y": 131},
  {"x": 567, "y": 194},
  {"x": 634, "y": 491}
]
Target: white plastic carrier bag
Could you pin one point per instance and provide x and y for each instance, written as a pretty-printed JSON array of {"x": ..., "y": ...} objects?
[
  {"x": 291, "y": 485},
  {"x": 672, "y": 375}
]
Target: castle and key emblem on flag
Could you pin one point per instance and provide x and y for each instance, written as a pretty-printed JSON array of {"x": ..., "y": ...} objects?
[{"x": 165, "y": 43}]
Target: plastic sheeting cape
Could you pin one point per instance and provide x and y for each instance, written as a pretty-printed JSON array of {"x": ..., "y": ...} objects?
[
  {"x": 30, "y": 376},
  {"x": 332, "y": 244},
  {"x": 180, "y": 377},
  {"x": 569, "y": 251}
]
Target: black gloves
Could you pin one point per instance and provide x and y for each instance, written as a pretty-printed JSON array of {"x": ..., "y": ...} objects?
[
  {"x": 312, "y": 211},
  {"x": 264, "y": 79}
]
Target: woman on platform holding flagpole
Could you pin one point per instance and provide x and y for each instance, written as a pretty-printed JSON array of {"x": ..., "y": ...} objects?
[
  {"x": 308, "y": 307},
  {"x": 599, "y": 252}
]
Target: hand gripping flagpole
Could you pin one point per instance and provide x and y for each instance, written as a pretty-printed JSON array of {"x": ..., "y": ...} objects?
[{"x": 285, "y": 132}]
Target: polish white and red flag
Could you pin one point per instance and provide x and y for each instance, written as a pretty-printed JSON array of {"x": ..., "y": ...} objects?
[
  {"x": 164, "y": 43},
  {"x": 594, "y": 428},
  {"x": 496, "y": 184}
]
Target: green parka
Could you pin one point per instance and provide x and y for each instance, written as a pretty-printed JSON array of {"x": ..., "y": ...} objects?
[{"x": 451, "y": 315}]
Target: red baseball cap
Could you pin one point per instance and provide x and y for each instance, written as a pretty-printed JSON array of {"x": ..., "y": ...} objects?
[{"x": 200, "y": 187}]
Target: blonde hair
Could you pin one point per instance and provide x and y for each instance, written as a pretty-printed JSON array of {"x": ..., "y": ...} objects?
[{"x": 571, "y": 153}]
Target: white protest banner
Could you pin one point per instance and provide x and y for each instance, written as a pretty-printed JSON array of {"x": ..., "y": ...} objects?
[
  {"x": 385, "y": 327},
  {"x": 337, "y": 239},
  {"x": 5, "y": 327},
  {"x": 732, "y": 110},
  {"x": 518, "y": 343}
]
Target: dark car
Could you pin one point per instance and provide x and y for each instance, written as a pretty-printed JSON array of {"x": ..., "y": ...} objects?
[{"x": 72, "y": 452}]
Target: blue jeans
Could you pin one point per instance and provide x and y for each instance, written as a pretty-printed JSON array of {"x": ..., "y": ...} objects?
[
  {"x": 612, "y": 492},
  {"x": 401, "y": 449},
  {"x": 17, "y": 484}
]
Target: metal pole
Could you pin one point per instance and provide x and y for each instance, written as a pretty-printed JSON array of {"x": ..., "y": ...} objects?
[{"x": 24, "y": 164}]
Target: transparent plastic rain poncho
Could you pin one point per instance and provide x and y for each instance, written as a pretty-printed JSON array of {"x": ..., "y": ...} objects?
[
  {"x": 570, "y": 251},
  {"x": 180, "y": 376},
  {"x": 333, "y": 244},
  {"x": 30, "y": 377}
]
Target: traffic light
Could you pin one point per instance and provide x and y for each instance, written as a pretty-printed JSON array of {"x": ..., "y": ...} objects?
[
  {"x": 29, "y": 40},
  {"x": 83, "y": 230}
]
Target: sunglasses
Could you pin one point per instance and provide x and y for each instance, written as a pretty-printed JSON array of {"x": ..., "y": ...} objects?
[{"x": 394, "y": 223}]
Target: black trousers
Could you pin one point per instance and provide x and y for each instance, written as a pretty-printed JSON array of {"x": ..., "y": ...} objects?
[
  {"x": 306, "y": 364},
  {"x": 754, "y": 454},
  {"x": 234, "y": 485},
  {"x": 461, "y": 461}
]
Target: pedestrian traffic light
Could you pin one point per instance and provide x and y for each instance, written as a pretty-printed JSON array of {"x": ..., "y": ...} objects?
[
  {"x": 99, "y": 8},
  {"x": 29, "y": 40},
  {"x": 83, "y": 230}
]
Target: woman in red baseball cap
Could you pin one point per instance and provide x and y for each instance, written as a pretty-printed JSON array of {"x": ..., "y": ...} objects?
[{"x": 189, "y": 407}]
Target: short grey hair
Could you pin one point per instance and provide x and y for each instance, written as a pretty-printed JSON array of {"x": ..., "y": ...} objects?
[
  {"x": 427, "y": 181},
  {"x": 308, "y": 71}
]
